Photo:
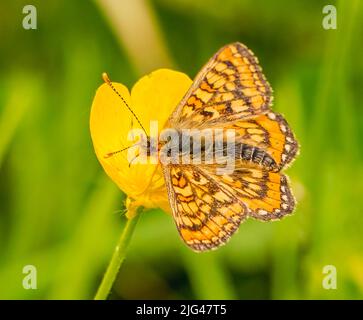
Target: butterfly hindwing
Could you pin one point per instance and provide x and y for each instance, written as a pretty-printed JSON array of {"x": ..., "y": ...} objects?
[
  {"x": 266, "y": 194},
  {"x": 269, "y": 132}
]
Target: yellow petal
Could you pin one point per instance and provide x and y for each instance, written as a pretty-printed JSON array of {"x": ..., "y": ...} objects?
[
  {"x": 156, "y": 95},
  {"x": 153, "y": 97}
]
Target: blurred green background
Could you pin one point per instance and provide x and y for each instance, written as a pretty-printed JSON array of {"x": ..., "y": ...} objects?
[{"x": 59, "y": 211}]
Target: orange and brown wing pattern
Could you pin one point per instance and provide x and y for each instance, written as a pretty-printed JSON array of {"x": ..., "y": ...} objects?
[
  {"x": 231, "y": 92},
  {"x": 231, "y": 86},
  {"x": 205, "y": 214},
  {"x": 269, "y": 132},
  {"x": 266, "y": 194}
]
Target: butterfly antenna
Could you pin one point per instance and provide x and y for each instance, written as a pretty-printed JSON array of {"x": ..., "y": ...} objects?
[
  {"x": 107, "y": 80},
  {"x": 110, "y": 154}
]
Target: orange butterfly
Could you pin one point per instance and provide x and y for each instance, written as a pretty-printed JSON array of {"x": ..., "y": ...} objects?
[{"x": 230, "y": 93}]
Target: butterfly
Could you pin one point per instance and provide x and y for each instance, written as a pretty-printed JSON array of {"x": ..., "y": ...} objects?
[{"x": 230, "y": 93}]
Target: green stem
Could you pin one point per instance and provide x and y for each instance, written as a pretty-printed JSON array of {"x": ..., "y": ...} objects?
[{"x": 117, "y": 258}]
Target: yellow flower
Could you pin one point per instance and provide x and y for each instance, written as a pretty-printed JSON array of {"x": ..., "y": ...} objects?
[{"x": 153, "y": 97}]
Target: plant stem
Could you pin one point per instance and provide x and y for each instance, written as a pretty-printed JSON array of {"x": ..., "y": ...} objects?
[{"x": 117, "y": 258}]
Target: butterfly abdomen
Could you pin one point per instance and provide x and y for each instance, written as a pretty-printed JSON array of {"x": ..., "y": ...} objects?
[{"x": 255, "y": 155}]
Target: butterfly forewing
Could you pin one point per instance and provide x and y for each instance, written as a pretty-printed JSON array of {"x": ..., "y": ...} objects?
[
  {"x": 231, "y": 86},
  {"x": 206, "y": 215}
]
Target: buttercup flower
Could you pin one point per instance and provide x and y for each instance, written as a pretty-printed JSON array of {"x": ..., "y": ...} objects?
[{"x": 152, "y": 98}]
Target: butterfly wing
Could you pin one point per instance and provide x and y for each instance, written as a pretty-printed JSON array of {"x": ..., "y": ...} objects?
[
  {"x": 269, "y": 132},
  {"x": 209, "y": 208},
  {"x": 267, "y": 195},
  {"x": 205, "y": 214},
  {"x": 231, "y": 86}
]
